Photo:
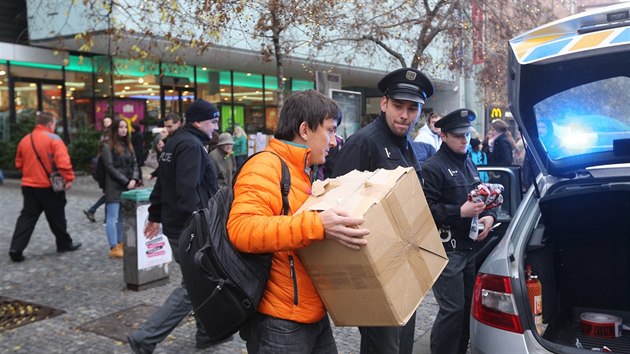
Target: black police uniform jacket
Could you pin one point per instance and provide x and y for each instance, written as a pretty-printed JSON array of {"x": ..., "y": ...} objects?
[
  {"x": 375, "y": 146},
  {"x": 448, "y": 178},
  {"x": 186, "y": 180}
]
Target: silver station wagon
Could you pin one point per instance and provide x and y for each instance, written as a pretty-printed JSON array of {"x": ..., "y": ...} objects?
[{"x": 559, "y": 279}]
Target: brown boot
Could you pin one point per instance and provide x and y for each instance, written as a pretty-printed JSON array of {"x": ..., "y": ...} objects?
[{"x": 116, "y": 251}]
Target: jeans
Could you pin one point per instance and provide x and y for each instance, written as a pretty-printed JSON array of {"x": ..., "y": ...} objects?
[
  {"x": 98, "y": 203},
  {"x": 114, "y": 223},
  {"x": 453, "y": 292},
  {"x": 268, "y": 335},
  {"x": 53, "y": 205}
]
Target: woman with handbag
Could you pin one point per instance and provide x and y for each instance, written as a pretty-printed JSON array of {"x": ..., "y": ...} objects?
[{"x": 123, "y": 174}]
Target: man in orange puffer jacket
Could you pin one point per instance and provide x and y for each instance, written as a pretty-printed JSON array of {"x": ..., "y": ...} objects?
[
  {"x": 36, "y": 188},
  {"x": 291, "y": 315}
]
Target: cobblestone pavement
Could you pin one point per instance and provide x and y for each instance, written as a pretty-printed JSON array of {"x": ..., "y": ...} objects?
[{"x": 88, "y": 285}]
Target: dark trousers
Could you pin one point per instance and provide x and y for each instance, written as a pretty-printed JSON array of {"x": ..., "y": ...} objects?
[
  {"x": 98, "y": 203},
  {"x": 453, "y": 292},
  {"x": 53, "y": 205},
  {"x": 388, "y": 340},
  {"x": 167, "y": 317},
  {"x": 268, "y": 335}
]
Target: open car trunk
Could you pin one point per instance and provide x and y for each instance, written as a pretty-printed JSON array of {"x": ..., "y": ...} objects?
[{"x": 581, "y": 253}]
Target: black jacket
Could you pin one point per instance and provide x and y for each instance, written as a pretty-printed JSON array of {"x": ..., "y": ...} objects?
[
  {"x": 502, "y": 152},
  {"x": 375, "y": 146},
  {"x": 120, "y": 169},
  {"x": 448, "y": 178},
  {"x": 186, "y": 180}
]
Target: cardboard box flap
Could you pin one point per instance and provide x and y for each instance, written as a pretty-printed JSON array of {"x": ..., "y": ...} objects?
[{"x": 354, "y": 192}]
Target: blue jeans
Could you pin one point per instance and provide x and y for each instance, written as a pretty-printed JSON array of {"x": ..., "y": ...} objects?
[
  {"x": 114, "y": 223},
  {"x": 268, "y": 335}
]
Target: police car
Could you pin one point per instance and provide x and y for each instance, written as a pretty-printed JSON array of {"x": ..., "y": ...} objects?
[{"x": 559, "y": 279}]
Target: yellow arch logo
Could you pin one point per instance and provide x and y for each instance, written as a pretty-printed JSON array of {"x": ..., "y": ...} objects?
[{"x": 496, "y": 112}]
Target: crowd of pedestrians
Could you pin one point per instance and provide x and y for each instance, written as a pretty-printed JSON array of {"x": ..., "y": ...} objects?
[{"x": 191, "y": 161}]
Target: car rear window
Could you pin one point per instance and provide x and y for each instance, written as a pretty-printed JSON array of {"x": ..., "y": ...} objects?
[{"x": 585, "y": 119}]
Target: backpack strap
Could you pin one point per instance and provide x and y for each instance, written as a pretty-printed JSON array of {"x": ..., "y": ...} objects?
[
  {"x": 39, "y": 158},
  {"x": 285, "y": 182}
]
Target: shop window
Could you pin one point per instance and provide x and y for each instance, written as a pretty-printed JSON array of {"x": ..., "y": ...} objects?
[
  {"x": 4, "y": 103},
  {"x": 208, "y": 86}
]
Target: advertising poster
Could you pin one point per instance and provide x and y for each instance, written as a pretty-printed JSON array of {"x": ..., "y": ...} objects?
[
  {"x": 350, "y": 103},
  {"x": 155, "y": 251},
  {"x": 131, "y": 111}
]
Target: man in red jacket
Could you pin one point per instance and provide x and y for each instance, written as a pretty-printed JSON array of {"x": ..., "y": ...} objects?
[{"x": 36, "y": 154}]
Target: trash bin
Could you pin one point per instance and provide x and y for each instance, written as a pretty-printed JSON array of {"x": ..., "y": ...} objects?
[{"x": 145, "y": 262}]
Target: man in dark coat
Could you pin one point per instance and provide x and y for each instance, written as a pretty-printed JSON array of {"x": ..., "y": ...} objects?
[
  {"x": 187, "y": 179},
  {"x": 449, "y": 176},
  {"x": 384, "y": 144}
]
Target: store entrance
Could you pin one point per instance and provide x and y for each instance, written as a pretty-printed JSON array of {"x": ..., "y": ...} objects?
[
  {"x": 176, "y": 99},
  {"x": 30, "y": 95}
]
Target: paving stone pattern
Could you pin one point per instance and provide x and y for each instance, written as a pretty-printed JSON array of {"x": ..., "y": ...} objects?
[{"x": 88, "y": 286}]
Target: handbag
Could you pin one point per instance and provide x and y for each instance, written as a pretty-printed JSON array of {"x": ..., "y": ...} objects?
[{"x": 57, "y": 182}]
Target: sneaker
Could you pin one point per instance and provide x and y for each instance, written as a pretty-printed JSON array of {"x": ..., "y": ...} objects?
[
  {"x": 16, "y": 256},
  {"x": 90, "y": 215}
]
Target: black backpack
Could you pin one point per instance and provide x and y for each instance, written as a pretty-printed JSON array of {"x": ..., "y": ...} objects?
[
  {"x": 97, "y": 168},
  {"x": 224, "y": 285}
]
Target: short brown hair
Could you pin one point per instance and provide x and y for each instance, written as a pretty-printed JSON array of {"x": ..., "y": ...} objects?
[
  {"x": 307, "y": 106},
  {"x": 44, "y": 117}
]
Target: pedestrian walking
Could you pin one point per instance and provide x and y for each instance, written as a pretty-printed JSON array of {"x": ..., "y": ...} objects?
[
  {"x": 186, "y": 180},
  {"x": 224, "y": 160},
  {"x": 384, "y": 143},
  {"x": 91, "y": 211},
  {"x": 122, "y": 174},
  {"x": 38, "y": 154}
]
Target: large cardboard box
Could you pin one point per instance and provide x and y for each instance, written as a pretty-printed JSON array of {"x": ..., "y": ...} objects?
[{"x": 383, "y": 283}]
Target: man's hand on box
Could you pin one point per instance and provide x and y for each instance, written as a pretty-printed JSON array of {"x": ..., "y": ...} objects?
[
  {"x": 343, "y": 228},
  {"x": 471, "y": 209}
]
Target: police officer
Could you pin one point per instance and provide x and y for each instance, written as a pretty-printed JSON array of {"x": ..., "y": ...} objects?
[
  {"x": 449, "y": 176},
  {"x": 384, "y": 144}
]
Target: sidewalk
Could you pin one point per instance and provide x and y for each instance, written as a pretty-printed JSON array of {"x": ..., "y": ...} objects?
[{"x": 89, "y": 286}]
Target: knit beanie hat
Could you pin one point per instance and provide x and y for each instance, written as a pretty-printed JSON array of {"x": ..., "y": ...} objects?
[{"x": 201, "y": 110}]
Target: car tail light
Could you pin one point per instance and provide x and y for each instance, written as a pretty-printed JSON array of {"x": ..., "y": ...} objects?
[{"x": 493, "y": 303}]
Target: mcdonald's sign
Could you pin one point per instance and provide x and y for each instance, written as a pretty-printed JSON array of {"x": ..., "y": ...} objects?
[{"x": 495, "y": 112}]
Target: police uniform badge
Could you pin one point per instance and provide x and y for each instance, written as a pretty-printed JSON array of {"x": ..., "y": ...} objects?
[{"x": 410, "y": 75}]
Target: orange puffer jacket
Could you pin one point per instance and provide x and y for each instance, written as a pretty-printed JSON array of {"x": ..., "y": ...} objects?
[
  {"x": 256, "y": 225},
  {"x": 50, "y": 148}
]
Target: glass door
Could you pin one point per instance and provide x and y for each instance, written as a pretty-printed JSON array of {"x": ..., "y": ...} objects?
[
  {"x": 32, "y": 95},
  {"x": 176, "y": 99}
]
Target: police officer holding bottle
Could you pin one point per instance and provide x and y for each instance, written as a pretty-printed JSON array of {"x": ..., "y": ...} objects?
[{"x": 449, "y": 176}]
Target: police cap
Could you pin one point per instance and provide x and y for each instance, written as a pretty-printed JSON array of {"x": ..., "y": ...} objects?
[
  {"x": 406, "y": 84},
  {"x": 457, "y": 122}
]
